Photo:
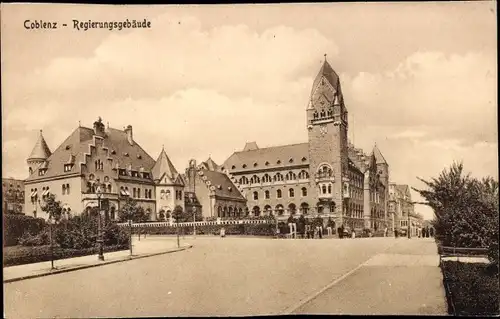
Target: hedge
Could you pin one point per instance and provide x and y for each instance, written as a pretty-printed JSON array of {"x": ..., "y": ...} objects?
[
  {"x": 471, "y": 289},
  {"x": 20, "y": 255},
  {"x": 15, "y": 225}
]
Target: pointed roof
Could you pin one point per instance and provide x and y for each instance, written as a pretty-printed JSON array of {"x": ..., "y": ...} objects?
[
  {"x": 379, "y": 158},
  {"x": 164, "y": 166},
  {"x": 211, "y": 165},
  {"x": 41, "y": 149},
  {"x": 328, "y": 72}
]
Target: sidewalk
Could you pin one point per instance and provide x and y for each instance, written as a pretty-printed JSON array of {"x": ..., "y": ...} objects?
[
  {"x": 404, "y": 280},
  {"x": 145, "y": 247}
]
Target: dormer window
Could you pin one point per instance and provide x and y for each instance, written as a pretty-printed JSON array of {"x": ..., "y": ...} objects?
[
  {"x": 219, "y": 187},
  {"x": 230, "y": 189},
  {"x": 290, "y": 160},
  {"x": 68, "y": 147},
  {"x": 125, "y": 154},
  {"x": 267, "y": 164},
  {"x": 304, "y": 159},
  {"x": 68, "y": 167},
  {"x": 255, "y": 164},
  {"x": 244, "y": 166},
  {"x": 278, "y": 162},
  {"x": 113, "y": 152},
  {"x": 145, "y": 175},
  {"x": 41, "y": 172},
  {"x": 233, "y": 167},
  {"x": 139, "y": 156}
]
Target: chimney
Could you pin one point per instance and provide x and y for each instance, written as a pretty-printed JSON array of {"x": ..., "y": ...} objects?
[
  {"x": 99, "y": 127},
  {"x": 130, "y": 136}
]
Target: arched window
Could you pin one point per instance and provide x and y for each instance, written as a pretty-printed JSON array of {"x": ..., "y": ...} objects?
[
  {"x": 279, "y": 209},
  {"x": 323, "y": 114},
  {"x": 278, "y": 177},
  {"x": 67, "y": 189},
  {"x": 323, "y": 189},
  {"x": 243, "y": 180},
  {"x": 292, "y": 209},
  {"x": 290, "y": 176},
  {"x": 266, "y": 178},
  {"x": 109, "y": 188},
  {"x": 219, "y": 211},
  {"x": 329, "y": 188},
  {"x": 291, "y": 192},
  {"x": 255, "y": 195},
  {"x": 303, "y": 174},
  {"x": 304, "y": 207},
  {"x": 278, "y": 193},
  {"x": 315, "y": 115},
  {"x": 267, "y": 194},
  {"x": 230, "y": 211},
  {"x": 255, "y": 179},
  {"x": 304, "y": 191},
  {"x": 329, "y": 113},
  {"x": 162, "y": 194},
  {"x": 256, "y": 211},
  {"x": 64, "y": 189}
]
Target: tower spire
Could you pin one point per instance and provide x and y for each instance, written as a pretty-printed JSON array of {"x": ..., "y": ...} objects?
[{"x": 324, "y": 56}]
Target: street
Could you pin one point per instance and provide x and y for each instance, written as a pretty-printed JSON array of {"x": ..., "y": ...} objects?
[{"x": 241, "y": 276}]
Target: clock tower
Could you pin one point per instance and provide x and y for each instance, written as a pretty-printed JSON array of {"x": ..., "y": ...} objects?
[{"x": 328, "y": 148}]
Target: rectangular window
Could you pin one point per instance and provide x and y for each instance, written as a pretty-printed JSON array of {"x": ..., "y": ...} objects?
[{"x": 139, "y": 193}]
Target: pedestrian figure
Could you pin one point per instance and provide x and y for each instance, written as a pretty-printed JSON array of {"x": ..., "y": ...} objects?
[
  {"x": 222, "y": 232},
  {"x": 339, "y": 231},
  {"x": 395, "y": 233},
  {"x": 353, "y": 234},
  {"x": 320, "y": 232}
]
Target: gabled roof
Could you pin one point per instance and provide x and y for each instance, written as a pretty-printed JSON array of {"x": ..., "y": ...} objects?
[
  {"x": 41, "y": 150},
  {"x": 209, "y": 164},
  {"x": 222, "y": 185},
  {"x": 276, "y": 156},
  {"x": 379, "y": 158},
  {"x": 164, "y": 167},
  {"x": 78, "y": 144}
]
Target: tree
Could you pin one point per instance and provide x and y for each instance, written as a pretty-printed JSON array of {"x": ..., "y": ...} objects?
[
  {"x": 466, "y": 209},
  {"x": 161, "y": 215},
  {"x": 130, "y": 211},
  {"x": 52, "y": 207},
  {"x": 178, "y": 214}
]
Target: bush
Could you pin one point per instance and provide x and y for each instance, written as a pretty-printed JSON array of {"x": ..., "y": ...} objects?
[
  {"x": 39, "y": 239},
  {"x": 15, "y": 226},
  {"x": 471, "y": 289},
  {"x": 237, "y": 229}
]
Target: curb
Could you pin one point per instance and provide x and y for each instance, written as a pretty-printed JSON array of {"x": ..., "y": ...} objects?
[{"x": 95, "y": 265}]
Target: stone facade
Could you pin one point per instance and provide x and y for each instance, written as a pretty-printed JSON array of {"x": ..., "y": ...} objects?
[{"x": 326, "y": 177}]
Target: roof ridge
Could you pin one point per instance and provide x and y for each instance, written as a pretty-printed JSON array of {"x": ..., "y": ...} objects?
[{"x": 263, "y": 148}]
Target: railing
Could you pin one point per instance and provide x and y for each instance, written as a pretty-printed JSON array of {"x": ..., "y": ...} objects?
[
  {"x": 447, "y": 251},
  {"x": 202, "y": 223}
]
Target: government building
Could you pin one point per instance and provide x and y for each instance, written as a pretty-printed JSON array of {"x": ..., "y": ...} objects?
[{"x": 326, "y": 176}]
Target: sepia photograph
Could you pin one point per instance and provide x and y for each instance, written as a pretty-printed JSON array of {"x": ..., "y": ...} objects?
[{"x": 249, "y": 159}]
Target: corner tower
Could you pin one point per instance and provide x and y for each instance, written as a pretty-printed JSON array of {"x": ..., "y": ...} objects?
[
  {"x": 39, "y": 154},
  {"x": 328, "y": 146}
]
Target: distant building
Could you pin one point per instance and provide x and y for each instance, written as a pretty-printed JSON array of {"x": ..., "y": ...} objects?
[
  {"x": 12, "y": 196},
  {"x": 402, "y": 210},
  {"x": 326, "y": 176}
]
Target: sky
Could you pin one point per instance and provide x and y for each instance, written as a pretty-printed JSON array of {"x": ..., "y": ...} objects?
[{"x": 419, "y": 79}]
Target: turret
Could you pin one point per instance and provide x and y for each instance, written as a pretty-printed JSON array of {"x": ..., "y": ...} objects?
[{"x": 39, "y": 154}]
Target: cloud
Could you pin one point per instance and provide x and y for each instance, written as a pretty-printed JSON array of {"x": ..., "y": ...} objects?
[{"x": 205, "y": 91}]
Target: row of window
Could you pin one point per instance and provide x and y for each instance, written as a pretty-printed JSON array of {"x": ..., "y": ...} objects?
[
  {"x": 278, "y": 162},
  {"x": 322, "y": 114},
  {"x": 124, "y": 172},
  {"x": 278, "y": 177},
  {"x": 136, "y": 192},
  {"x": 279, "y": 193},
  {"x": 65, "y": 189}
]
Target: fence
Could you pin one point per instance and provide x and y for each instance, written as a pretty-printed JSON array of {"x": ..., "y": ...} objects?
[
  {"x": 446, "y": 251},
  {"x": 203, "y": 223}
]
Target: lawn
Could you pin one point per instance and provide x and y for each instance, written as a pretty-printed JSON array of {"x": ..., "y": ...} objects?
[
  {"x": 20, "y": 255},
  {"x": 472, "y": 289}
]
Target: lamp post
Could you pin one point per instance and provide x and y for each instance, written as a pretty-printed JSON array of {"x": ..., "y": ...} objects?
[
  {"x": 194, "y": 221},
  {"x": 50, "y": 220},
  {"x": 100, "y": 257}
]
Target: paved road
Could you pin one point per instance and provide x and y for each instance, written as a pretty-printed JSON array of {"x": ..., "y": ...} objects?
[{"x": 230, "y": 276}]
